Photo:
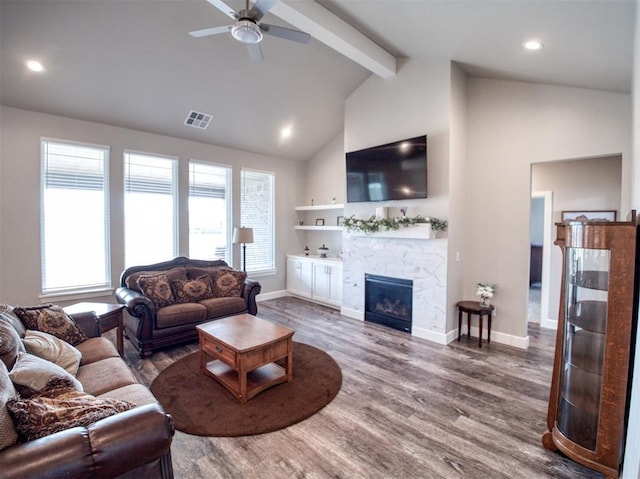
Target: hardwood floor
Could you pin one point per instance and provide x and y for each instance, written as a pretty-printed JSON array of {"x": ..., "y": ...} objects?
[{"x": 408, "y": 408}]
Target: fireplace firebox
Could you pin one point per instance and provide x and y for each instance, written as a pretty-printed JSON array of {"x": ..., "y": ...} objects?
[{"x": 388, "y": 301}]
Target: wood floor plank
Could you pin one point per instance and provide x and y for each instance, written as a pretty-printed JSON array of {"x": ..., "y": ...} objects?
[{"x": 408, "y": 408}]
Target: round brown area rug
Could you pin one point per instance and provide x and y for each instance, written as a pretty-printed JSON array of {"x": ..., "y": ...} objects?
[{"x": 201, "y": 406}]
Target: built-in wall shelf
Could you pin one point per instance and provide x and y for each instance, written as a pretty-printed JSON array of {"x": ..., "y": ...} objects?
[
  {"x": 335, "y": 206},
  {"x": 318, "y": 228}
]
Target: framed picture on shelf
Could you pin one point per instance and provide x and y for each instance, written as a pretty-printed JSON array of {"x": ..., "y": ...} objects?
[
  {"x": 589, "y": 215},
  {"x": 320, "y": 222},
  {"x": 340, "y": 220}
]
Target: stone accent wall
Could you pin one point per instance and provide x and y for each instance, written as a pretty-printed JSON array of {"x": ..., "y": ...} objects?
[{"x": 422, "y": 260}]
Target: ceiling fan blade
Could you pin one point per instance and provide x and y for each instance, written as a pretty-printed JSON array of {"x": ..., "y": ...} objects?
[
  {"x": 255, "y": 51},
  {"x": 224, "y": 8},
  {"x": 261, "y": 7},
  {"x": 205, "y": 32},
  {"x": 286, "y": 33}
]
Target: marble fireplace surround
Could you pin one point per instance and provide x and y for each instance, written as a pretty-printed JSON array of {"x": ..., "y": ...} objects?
[{"x": 400, "y": 256}]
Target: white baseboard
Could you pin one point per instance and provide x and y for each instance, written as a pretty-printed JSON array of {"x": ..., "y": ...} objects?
[
  {"x": 549, "y": 323},
  {"x": 352, "y": 313},
  {"x": 496, "y": 337},
  {"x": 433, "y": 336},
  {"x": 273, "y": 295}
]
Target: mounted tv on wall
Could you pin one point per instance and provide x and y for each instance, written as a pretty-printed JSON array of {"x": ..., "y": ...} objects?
[{"x": 395, "y": 171}]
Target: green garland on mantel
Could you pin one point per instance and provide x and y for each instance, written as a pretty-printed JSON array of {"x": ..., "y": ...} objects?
[{"x": 373, "y": 224}]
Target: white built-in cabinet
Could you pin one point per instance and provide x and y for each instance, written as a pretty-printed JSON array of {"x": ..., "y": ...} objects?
[
  {"x": 299, "y": 276},
  {"x": 315, "y": 278}
]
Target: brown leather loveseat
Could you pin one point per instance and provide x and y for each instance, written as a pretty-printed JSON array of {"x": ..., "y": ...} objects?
[
  {"x": 134, "y": 443},
  {"x": 165, "y": 301}
]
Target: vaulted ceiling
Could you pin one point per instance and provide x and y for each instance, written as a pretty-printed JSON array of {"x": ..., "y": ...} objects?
[{"x": 132, "y": 63}]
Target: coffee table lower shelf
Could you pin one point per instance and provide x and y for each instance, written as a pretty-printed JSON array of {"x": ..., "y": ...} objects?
[{"x": 257, "y": 380}]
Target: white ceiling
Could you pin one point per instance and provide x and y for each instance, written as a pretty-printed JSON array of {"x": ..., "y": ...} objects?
[{"x": 131, "y": 63}]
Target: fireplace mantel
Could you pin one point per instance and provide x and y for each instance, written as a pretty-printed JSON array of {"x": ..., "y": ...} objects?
[{"x": 419, "y": 231}]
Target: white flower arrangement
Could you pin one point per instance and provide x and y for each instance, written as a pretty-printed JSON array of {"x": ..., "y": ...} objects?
[{"x": 486, "y": 290}]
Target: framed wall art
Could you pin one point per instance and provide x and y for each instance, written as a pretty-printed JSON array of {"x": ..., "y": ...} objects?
[{"x": 589, "y": 215}]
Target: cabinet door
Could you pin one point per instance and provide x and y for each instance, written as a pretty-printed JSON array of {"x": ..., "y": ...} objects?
[
  {"x": 327, "y": 283},
  {"x": 336, "y": 285},
  {"x": 321, "y": 282},
  {"x": 299, "y": 277}
]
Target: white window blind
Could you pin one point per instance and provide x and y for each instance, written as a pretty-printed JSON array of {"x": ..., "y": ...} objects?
[
  {"x": 74, "y": 217},
  {"x": 209, "y": 211},
  {"x": 150, "y": 208},
  {"x": 257, "y": 212}
]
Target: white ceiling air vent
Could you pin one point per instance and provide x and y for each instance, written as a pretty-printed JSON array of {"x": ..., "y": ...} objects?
[{"x": 198, "y": 120}]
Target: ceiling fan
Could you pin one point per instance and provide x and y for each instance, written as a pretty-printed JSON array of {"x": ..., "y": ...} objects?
[{"x": 248, "y": 30}]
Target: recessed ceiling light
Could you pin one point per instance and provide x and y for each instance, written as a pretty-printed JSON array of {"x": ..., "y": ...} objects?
[
  {"x": 34, "y": 66},
  {"x": 285, "y": 132},
  {"x": 533, "y": 45}
]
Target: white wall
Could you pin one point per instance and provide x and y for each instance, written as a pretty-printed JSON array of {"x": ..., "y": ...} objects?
[
  {"x": 326, "y": 174},
  {"x": 412, "y": 103},
  {"x": 457, "y": 230},
  {"x": 512, "y": 125},
  {"x": 20, "y": 133}
]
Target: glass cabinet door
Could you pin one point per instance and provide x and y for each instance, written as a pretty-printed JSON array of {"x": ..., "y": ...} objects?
[{"x": 587, "y": 284}]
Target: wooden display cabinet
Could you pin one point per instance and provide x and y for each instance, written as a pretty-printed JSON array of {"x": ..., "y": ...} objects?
[{"x": 596, "y": 330}]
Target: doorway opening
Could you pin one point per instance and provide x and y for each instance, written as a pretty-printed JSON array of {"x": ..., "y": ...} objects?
[{"x": 540, "y": 258}]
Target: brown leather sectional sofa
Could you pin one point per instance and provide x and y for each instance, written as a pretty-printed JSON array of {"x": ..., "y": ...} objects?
[
  {"x": 132, "y": 444},
  {"x": 151, "y": 327}
]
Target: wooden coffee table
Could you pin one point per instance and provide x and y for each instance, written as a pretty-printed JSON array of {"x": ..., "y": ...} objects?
[{"x": 243, "y": 350}]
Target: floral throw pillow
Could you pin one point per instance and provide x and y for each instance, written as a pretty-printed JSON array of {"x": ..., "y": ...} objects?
[
  {"x": 157, "y": 288},
  {"x": 192, "y": 290},
  {"x": 228, "y": 282},
  {"x": 58, "y": 407},
  {"x": 52, "y": 320}
]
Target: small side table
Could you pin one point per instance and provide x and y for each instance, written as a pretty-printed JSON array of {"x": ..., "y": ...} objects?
[
  {"x": 474, "y": 307},
  {"x": 109, "y": 316}
]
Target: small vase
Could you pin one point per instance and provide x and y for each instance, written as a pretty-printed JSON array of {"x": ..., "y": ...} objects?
[{"x": 484, "y": 302}]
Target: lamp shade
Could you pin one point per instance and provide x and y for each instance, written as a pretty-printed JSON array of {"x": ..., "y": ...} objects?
[{"x": 243, "y": 235}]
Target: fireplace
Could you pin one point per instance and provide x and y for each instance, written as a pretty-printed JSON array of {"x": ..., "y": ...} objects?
[{"x": 388, "y": 301}]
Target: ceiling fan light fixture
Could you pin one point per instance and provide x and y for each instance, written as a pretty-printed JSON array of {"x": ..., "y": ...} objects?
[{"x": 246, "y": 31}]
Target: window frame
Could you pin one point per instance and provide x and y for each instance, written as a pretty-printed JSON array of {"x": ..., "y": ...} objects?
[
  {"x": 272, "y": 223},
  {"x": 175, "y": 192},
  {"x": 77, "y": 291},
  {"x": 228, "y": 205}
]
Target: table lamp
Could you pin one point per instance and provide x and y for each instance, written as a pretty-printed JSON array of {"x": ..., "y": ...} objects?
[{"x": 244, "y": 236}]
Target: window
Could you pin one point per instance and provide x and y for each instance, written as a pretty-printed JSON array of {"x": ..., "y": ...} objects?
[
  {"x": 256, "y": 211},
  {"x": 74, "y": 217},
  {"x": 150, "y": 208},
  {"x": 209, "y": 211}
]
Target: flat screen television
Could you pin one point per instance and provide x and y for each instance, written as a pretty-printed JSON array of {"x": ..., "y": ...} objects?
[{"x": 395, "y": 171}]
